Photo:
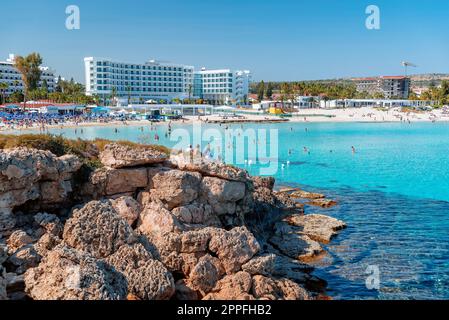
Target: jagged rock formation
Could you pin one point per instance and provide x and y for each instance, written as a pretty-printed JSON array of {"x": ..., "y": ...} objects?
[{"x": 150, "y": 228}]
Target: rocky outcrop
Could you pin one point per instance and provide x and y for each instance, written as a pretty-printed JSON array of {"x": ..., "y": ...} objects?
[
  {"x": 210, "y": 169},
  {"x": 97, "y": 229},
  {"x": 316, "y": 226},
  {"x": 123, "y": 156},
  {"x": 3, "y": 295},
  {"x": 323, "y": 203},
  {"x": 147, "y": 279},
  {"x": 33, "y": 175},
  {"x": 148, "y": 228},
  {"x": 68, "y": 274},
  {"x": 128, "y": 208}
]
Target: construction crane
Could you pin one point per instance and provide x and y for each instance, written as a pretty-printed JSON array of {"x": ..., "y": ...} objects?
[{"x": 406, "y": 64}]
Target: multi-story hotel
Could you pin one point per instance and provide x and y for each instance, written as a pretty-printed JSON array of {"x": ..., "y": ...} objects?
[
  {"x": 166, "y": 82},
  {"x": 10, "y": 75},
  {"x": 139, "y": 82},
  {"x": 224, "y": 86},
  {"x": 389, "y": 86}
]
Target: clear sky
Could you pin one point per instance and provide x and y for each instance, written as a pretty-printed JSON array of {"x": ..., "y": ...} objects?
[{"x": 275, "y": 39}]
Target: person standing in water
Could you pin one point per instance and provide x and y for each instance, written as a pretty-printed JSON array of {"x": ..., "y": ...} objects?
[{"x": 353, "y": 150}]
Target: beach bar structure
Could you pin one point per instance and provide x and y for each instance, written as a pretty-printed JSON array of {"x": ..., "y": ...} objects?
[
  {"x": 375, "y": 103},
  {"x": 180, "y": 109}
]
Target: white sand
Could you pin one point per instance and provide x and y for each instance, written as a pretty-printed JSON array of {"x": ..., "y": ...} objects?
[{"x": 306, "y": 115}]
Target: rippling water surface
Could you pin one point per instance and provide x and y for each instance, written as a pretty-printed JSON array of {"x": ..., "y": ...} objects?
[{"x": 393, "y": 194}]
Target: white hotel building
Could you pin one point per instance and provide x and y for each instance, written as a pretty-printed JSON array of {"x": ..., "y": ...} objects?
[
  {"x": 160, "y": 81},
  {"x": 10, "y": 75},
  {"x": 222, "y": 87},
  {"x": 141, "y": 82}
]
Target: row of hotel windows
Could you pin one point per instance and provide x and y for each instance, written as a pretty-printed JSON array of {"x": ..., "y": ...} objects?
[
  {"x": 137, "y": 78},
  {"x": 216, "y": 75},
  {"x": 124, "y": 90},
  {"x": 170, "y": 74},
  {"x": 140, "y": 67},
  {"x": 217, "y": 91},
  {"x": 218, "y": 85},
  {"x": 145, "y": 84}
]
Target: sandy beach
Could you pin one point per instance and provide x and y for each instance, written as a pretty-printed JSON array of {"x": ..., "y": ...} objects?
[{"x": 306, "y": 115}]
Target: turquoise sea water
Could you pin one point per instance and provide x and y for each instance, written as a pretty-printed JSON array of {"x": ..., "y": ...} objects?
[{"x": 393, "y": 193}]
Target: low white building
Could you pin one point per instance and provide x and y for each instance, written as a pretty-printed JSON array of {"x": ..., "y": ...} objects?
[
  {"x": 13, "y": 78},
  {"x": 374, "y": 103}
]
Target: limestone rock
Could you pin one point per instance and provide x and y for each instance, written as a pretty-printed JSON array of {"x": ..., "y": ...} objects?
[
  {"x": 323, "y": 203},
  {"x": 306, "y": 195},
  {"x": 234, "y": 248},
  {"x": 67, "y": 274},
  {"x": 147, "y": 279},
  {"x": 50, "y": 222},
  {"x": 175, "y": 188},
  {"x": 21, "y": 170},
  {"x": 263, "y": 182},
  {"x": 205, "y": 274},
  {"x": 210, "y": 169},
  {"x": 232, "y": 287},
  {"x": 222, "y": 195},
  {"x": 155, "y": 219},
  {"x": 292, "y": 243},
  {"x": 128, "y": 208},
  {"x": 121, "y": 156},
  {"x": 24, "y": 258},
  {"x": 270, "y": 289},
  {"x": 261, "y": 265},
  {"x": 17, "y": 240},
  {"x": 97, "y": 229},
  {"x": 318, "y": 227},
  {"x": 3, "y": 253},
  {"x": 119, "y": 181},
  {"x": 7, "y": 221},
  {"x": 184, "y": 292},
  {"x": 46, "y": 243},
  {"x": 197, "y": 214},
  {"x": 3, "y": 295}
]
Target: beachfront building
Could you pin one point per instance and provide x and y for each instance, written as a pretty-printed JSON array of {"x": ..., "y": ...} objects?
[
  {"x": 13, "y": 78},
  {"x": 223, "y": 86},
  {"x": 391, "y": 87},
  {"x": 375, "y": 103},
  {"x": 152, "y": 81}
]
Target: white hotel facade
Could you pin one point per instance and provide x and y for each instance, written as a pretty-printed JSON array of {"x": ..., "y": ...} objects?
[
  {"x": 161, "y": 81},
  {"x": 12, "y": 77}
]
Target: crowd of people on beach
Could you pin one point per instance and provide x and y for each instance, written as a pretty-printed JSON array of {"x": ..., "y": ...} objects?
[{"x": 25, "y": 120}]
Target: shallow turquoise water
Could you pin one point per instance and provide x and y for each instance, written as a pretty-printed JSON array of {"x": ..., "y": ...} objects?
[{"x": 393, "y": 193}]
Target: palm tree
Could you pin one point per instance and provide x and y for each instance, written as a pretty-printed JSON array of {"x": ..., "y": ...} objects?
[
  {"x": 129, "y": 94},
  {"x": 190, "y": 93},
  {"x": 113, "y": 93},
  {"x": 3, "y": 88}
]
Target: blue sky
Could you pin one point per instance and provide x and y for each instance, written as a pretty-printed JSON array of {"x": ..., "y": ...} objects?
[{"x": 275, "y": 39}]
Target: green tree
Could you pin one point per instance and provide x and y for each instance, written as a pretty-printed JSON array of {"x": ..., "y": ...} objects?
[
  {"x": 269, "y": 92},
  {"x": 3, "y": 88},
  {"x": 261, "y": 91},
  {"x": 29, "y": 67}
]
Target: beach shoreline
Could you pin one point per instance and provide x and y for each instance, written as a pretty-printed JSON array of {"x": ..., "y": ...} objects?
[{"x": 360, "y": 115}]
